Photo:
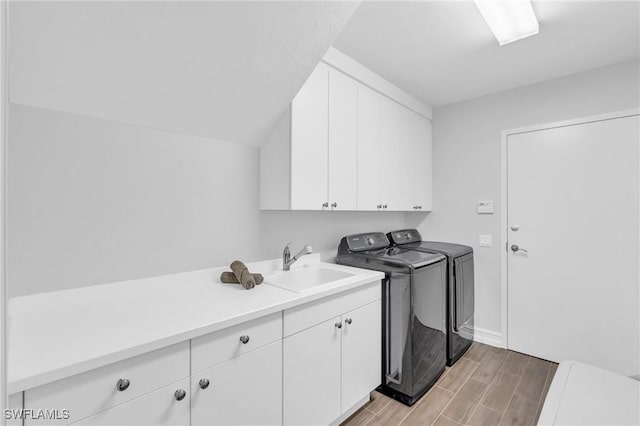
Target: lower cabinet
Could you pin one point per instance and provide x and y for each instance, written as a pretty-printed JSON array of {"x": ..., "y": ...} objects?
[
  {"x": 94, "y": 393},
  {"x": 248, "y": 374},
  {"x": 166, "y": 406},
  {"x": 361, "y": 353},
  {"x": 312, "y": 375},
  {"x": 246, "y": 390},
  {"x": 332, "y": 366},
  {"x": 15, "y": 407}
]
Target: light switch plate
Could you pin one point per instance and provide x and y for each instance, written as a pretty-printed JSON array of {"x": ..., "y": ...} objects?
[
  {"x": 485, "y": 241},
  {"x": 485, "y": 207}
]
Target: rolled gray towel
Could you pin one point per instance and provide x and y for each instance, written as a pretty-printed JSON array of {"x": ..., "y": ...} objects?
[
  {"x": 230, "y": 278},
  {"x": 242, "y": 274}
]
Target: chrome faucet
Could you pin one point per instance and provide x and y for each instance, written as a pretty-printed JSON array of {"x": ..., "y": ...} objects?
[{"x": 287, "y": 260}]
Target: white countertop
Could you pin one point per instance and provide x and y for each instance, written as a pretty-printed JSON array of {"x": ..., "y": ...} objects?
[{"x": 55, "y": 335}]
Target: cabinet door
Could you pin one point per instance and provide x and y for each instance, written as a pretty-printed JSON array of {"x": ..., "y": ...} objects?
[
  {"x": 370, "y": 143},
  {"x": 399, "y": 155},
  {"x": 361, "y": 353},
  {"x": 312, "y": 375},
  {"x": 15, "y": 403},
  {"x": 343, "y": 141},
  {"x": 423, "y": 168},
  {"x": 246, "y": 390},
  {"x": 309, "y": 142},
  {"x": 156, "y": 408}
]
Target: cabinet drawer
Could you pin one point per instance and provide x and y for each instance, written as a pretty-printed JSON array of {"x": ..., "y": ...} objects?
[
  {"x": 88, "y": 393},
  {"x": 305, "y": 316},
  {"x": 223, "y": 345},
  {"x": 158, "y": 408}
]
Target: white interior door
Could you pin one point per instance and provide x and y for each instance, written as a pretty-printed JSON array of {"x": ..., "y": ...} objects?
[{"x": 573, "y": 195}]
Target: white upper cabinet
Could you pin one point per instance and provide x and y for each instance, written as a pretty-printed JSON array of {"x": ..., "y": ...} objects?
[
  {"x": 323, "y": 146},
  {"x": 345, "y": 145},
  {"x": 422, "y": 163},
  {"x": 371, "y": 165},
  {"x": 309, "y": 142},
  {"x": 343, "y": 141},
  {"x": 394, "y": 155}
]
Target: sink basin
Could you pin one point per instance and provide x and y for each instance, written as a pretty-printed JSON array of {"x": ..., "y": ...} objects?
[{"x": 305, "y": 278}]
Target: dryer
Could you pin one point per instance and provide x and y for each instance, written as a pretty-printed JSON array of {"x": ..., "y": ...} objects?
[{"x": 460, "y": 287}]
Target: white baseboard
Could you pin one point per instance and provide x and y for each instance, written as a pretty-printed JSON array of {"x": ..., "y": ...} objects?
[{"x": 488, "y": 337}]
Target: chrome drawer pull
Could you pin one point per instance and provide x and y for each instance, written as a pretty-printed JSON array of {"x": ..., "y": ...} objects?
[
  {"x": 244, "y": 339},
  {"x": 123, "y": 384}
]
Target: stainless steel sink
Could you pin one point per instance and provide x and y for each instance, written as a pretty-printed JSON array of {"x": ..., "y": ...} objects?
[{"x": 305, "y": 278}]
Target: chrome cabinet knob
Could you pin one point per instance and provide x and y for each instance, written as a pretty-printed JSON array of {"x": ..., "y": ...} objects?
[
  {"x": 325, "y": 204},
  {"x": 338, "y": 324},
  {"x": 379, "y": 206},
  {"x": 204, "y": 383},
  {"x": 244, "y": 339},
  {"x": 180, "y": 394},
  {"x": 334, "y": 204},
  {"x": 384, "y": 206},
  {"x": 415, "y": 207},
  {"x": 348, "y": 321},
  {"x": 123, "y": 384},
  {"x": 419, "y": 207}
]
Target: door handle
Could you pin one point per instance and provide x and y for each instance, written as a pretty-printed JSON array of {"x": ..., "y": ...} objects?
[{"x": 515, "y": 249}]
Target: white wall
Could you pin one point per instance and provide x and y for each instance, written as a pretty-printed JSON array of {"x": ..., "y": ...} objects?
[
  {"x": 466, "y": 152},
  {"x": 92, "y": 201},
  {"x": 322, "y": 230}
]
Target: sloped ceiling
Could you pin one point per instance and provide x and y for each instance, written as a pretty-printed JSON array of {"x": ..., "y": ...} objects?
[
  {"x": 444, "y": 52},
  {"x": 225, "y": 70}
]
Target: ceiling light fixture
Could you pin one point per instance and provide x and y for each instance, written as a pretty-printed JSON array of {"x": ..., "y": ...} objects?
[{"x": 509, "y": 20}]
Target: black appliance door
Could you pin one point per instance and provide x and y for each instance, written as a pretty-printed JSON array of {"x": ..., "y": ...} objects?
[
  {"x": 464, "y": 287},
  {"x": 415, "y": 329}
]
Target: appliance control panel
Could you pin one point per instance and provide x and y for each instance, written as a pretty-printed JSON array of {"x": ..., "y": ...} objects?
[
  {"x": 371, "y": 241},
  {"x": 405, "y": 236}
]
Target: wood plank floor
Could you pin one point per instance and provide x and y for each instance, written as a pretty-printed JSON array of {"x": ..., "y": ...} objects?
[{"x": 487, "y": 386}]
